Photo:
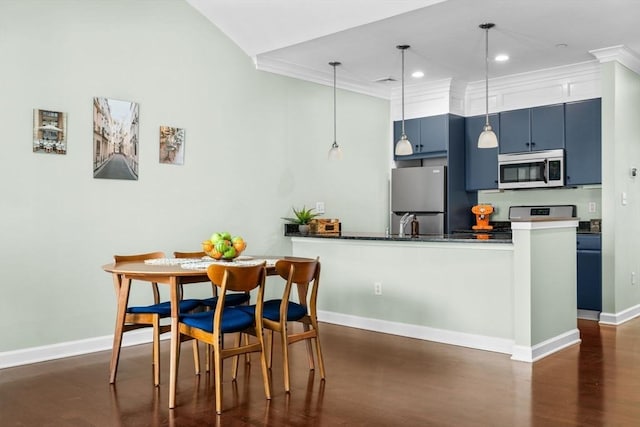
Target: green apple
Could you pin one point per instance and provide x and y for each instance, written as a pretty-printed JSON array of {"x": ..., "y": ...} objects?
[
  {"x": 229, "y": 253},
  {"x": 225, "y": 235},
  {"x": 215, "y": 237}
]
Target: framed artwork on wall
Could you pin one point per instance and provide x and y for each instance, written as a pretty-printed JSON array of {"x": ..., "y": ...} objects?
[
  {"x": 49, "y": 132},
  {"x": 171, "y": 145},
  {"x": 115, "y": 139}
]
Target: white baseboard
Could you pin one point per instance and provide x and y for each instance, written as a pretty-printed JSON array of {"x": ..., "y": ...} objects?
[
  {"x": 545, "y": 348},
  {"x": 621, "y": 317},
  {"x": 480, "y": 342},
  {"x": 72, "y": 348}
]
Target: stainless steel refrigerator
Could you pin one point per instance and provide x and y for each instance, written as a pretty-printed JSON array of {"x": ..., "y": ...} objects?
[{"x": 420, "y": 191}]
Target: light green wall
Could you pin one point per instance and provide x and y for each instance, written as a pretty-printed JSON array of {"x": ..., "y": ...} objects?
[
  {"x": 562, "y": 196},
  {"x": 620, "y": 153},
  {"x": 256, "y": 144}
]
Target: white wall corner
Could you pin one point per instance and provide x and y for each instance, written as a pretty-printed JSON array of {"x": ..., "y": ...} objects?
[
  {"x": 620, "y": 317},
  {"x": 621, "y": 54},
  {"x": 545, "y": 348}
]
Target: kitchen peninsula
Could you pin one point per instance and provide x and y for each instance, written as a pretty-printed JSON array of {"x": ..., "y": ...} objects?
[{"x": 514, "y": 296}]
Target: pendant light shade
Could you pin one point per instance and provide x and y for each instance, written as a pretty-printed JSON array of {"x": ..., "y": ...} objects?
[
  {"x": 488, "y": 138},
  {"x": 403, "y": 146},
  {"x": 335, "y": 153}
]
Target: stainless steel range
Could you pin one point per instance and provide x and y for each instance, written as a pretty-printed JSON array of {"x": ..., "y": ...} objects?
[{"x": 532, "y": 213}]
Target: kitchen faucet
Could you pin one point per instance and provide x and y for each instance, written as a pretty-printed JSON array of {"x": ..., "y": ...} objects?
[{"x": 403, "y": 223}]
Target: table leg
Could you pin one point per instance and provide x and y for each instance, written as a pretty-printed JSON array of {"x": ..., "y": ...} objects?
[
  {"x": 175, "y": 341},
  {"x": 123, "y": 285}
]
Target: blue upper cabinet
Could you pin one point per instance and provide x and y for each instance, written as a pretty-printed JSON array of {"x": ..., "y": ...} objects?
[
  {"x": 532, "y": 129},
  {"x": 583, "y": 121},
  {"x": 515, "y": 131},
  {"x": 429, "y": 136},
  {"x": 481, "y": 164},
  {"x": 434, "y": 134}
]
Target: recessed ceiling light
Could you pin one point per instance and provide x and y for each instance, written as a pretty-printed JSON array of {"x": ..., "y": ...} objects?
[
  {"x": 561, "y": 45},
  {"x": 417, "y": 74},
  {"x": 502, "y": 57}
]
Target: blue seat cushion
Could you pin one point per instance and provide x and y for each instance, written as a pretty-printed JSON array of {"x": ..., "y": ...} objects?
[
  {"x": 271, "y": 310},
  {"x": 164, "y": 308},
  {"x": 233, "y": 320},
  {"x": 229, "y": 300}
]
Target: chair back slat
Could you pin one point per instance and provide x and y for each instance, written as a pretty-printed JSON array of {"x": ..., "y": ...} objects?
[
  {"x": 236, "y": 278},
  {"x": 138, "y": 257},
  {"x": 197, "y": 254},
  {"x": 304, "y": 269}
]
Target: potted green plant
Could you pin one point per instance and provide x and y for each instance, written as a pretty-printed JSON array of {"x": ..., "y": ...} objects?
[{"x": 302, "y": 218}]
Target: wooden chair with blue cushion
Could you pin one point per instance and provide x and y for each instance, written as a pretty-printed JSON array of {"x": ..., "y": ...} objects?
[
  {"x": 149, "y": 316},
  {"x": 211, "y": 326},
  {"x": 210, "y": 303},
  {"x": 278, "y": 313}
]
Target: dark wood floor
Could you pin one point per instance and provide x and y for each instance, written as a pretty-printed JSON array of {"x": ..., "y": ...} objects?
[{"x": 372, "y": 380}]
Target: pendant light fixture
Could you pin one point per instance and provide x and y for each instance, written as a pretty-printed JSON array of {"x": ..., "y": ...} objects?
[
  {"x": 335, "y": 153},
  {"x": 488, "y": 138},
  {"x": 403, "y": 146}
]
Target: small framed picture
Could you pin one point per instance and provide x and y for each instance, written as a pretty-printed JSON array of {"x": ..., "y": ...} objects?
[
  {"x": 171, "y": 145},
  {"x": 49, "y": 132}
]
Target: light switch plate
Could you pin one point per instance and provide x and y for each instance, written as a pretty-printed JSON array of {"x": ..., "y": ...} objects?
[{"x": 320, "y": 207}]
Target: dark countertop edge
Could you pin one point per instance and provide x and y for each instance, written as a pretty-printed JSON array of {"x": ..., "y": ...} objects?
[{"x": 465, "y": 238}]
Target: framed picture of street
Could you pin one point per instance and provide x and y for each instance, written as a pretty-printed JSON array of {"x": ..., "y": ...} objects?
[
  {"x": 49, "y": 132},
  {"x": 171, "y": 145},
  {"x": 115, "y": 139}
]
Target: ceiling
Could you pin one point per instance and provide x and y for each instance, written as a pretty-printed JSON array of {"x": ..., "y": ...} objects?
[{"x": 300, "y": 37}]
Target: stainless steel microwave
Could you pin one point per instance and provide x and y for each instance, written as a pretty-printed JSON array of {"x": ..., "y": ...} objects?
[{"x": 534, "y": 169}]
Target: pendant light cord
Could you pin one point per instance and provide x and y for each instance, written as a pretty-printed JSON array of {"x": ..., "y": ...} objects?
[
  {"x": 403, "y": 47},
  {"x": 486, "y": 74},
  {"x": 403, "y": 92},
  {"x": 334, "y": 103}
]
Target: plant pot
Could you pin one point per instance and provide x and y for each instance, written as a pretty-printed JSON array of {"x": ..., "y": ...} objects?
[{"x": 303, "y": 228}]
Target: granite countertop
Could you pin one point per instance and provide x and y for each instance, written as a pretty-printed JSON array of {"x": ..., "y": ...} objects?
[{"x": 504, "y": 237}]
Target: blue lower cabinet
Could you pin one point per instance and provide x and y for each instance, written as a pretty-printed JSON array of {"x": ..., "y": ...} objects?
[{"x": 589, "y": 271}]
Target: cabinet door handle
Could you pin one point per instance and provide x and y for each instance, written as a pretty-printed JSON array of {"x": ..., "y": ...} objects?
[
  {"x": 533, "y": 143},
  {"x": 527, "y": 144}
]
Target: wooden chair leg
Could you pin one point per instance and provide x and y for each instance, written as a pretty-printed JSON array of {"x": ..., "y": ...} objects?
[
  {"x": 265, "y": 370},
  {"x": 207, "y": 357},
  {"x": 156, "y": 351},
  {"x": 217, "y": 373},
  {"x": 269, "y": 349},
  {"x": 236, "y": 359},
  {"x": 196, "y": 357},
  {"x": 305, "y": 327},
  {"x": 285, "y": 359},
  {"x": 318, "y": 349}
]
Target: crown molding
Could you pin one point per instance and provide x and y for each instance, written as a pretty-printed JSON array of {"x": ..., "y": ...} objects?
[
  {"x": 619, "y": 53},
  {"x": 541, "y": 87},
  {"x": 378, "y": 90}
]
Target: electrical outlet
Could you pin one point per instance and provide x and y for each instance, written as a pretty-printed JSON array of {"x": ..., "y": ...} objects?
[
  {"x": 592, "y": 207},
  {"x": 634, "y": 279},
  {"x": 320, "y": 207},
  {"x": 377, "y": 288}
]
